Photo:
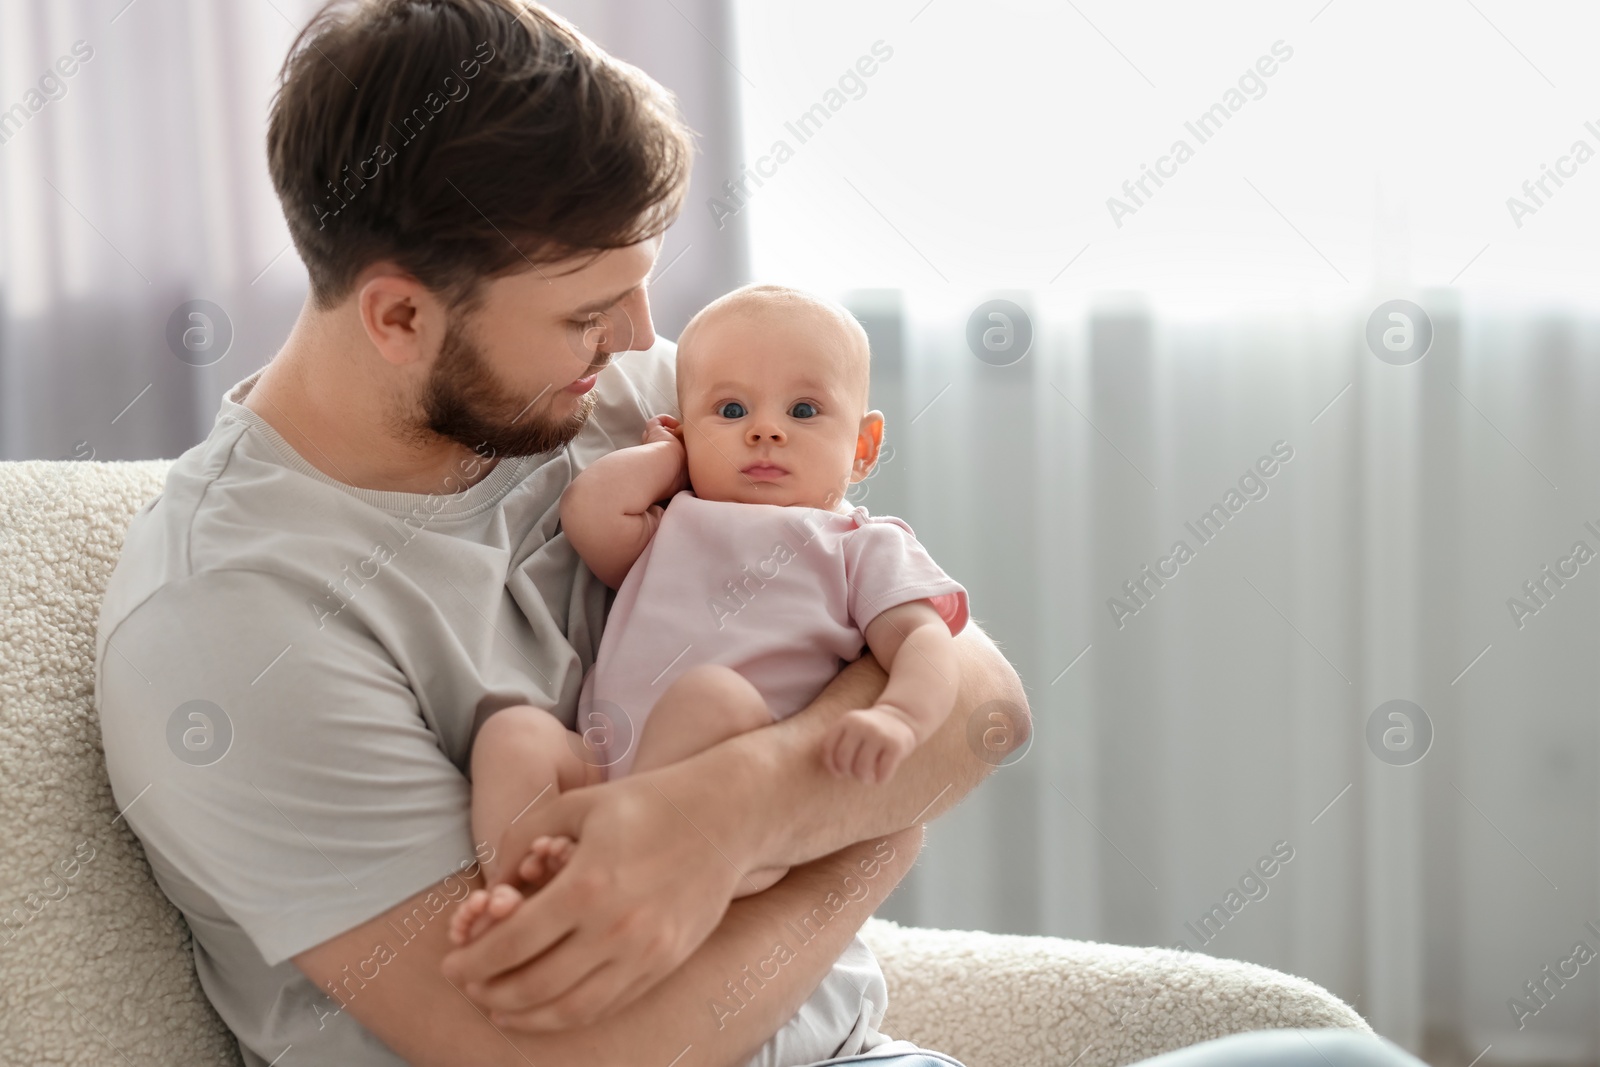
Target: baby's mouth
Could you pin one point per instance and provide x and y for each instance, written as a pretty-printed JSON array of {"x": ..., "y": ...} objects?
[{"x": 764, "y": 471}]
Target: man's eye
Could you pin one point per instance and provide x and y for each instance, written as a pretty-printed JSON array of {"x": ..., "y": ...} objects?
[
  {"x": 732, "y": 409},
  {"x": 803, "y": 409}
]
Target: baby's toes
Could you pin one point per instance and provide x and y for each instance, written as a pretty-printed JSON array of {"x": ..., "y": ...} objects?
[
  {"x": 559, "y": 852},
  {"x": 476, "y": 901},
  {"x": 550, "y": 844},
  {"x": 479, "y": 924},
  {"x": 498, "y": 902},
  {"x": 546, "y": 855},
  {"x": 466, "y": 915},
  {"x": 531, "y": 869},
  {"x": 503, "y": 900}
]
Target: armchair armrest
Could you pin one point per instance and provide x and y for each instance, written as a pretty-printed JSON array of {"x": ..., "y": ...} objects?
[{"x": 1002, "y": 1000}]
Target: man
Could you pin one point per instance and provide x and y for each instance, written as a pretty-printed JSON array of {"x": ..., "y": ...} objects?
[{"x": 362, "y": 562}]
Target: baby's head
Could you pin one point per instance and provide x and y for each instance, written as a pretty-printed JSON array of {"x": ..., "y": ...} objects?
[{"x": 772, "y": 386}]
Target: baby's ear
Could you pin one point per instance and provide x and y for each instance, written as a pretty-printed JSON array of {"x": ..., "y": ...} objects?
[{"x": 869, "y": 441}]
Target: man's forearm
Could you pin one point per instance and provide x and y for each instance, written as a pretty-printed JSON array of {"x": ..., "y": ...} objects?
[
  {"x": 429, "y": 1024},
  {"x": 792, "y": 810}
]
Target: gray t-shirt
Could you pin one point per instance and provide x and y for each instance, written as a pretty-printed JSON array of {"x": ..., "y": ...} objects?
[{"x": 289, "y": 674}]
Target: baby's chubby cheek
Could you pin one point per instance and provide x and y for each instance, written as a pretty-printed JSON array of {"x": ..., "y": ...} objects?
[{"x": 711, "y": 475}]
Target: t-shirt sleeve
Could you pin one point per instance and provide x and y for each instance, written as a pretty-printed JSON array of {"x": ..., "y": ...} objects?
[
  {"x": 886, "y": 566},
  {"x": 281, "y": 766}
]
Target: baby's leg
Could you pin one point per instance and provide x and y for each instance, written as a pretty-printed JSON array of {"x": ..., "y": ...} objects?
[
  {"x": 703, "y": 706},
  {"x": 520, "y": 754}
]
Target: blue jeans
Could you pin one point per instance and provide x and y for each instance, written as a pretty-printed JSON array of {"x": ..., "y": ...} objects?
[{"x": 1257, "y": 1048}]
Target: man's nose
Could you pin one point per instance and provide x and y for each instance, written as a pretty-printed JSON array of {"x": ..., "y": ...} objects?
[{"x": 632, "y": 329}]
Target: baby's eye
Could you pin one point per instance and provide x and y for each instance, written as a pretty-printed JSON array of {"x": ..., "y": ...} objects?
[
  {"x": 731, "y": 409},
  {"x": 803, "y": 409}
]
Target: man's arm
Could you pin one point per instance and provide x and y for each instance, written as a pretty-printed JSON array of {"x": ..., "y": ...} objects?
[
  {"x": 659, "y": 853},
  {"x": 414, "y": 1010},
  {"x": 798, "y": 811}
]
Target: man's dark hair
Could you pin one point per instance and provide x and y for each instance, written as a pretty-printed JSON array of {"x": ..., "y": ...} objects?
[{"x": 465, "y": 140}]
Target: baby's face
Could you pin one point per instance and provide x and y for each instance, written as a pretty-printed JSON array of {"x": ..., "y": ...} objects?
[{"x": 774, "y": 409}]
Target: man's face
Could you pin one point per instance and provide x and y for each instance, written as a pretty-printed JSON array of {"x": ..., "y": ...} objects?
[{"x": 515, "y": 377}]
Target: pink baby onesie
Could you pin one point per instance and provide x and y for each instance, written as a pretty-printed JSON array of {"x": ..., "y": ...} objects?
[{"x": 780, "y": 594}]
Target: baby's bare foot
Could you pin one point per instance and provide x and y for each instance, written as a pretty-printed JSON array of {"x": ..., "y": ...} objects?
[
  {"x": 466, "y": 914},
  {"x": 481, "y": 910},
  {"x": 485, "y": 907},
  {"x": 546, "y": 856}
]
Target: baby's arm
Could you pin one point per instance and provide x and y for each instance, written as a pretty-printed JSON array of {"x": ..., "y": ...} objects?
[
  {"x": 914, "y": 645},
  {"x": 609, "y": 512}
]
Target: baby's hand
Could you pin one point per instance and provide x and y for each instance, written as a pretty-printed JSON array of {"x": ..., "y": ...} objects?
[
  {"x": 868, "y": 744},
  {"x": 662, "y": 428}
]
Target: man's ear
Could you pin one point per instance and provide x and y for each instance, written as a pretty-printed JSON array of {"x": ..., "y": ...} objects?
[
  {"x": 869, "y": 441},
  {"x": 402, "y": 319}
]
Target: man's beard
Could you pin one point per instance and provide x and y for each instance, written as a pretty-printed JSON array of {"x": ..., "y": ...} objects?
[{"x": 464, "y": 402}]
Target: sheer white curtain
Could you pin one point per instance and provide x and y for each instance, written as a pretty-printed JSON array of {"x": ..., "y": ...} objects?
[
  {"x": 142, "y": 186},
  {"x": 138, "y": 183},
  {"x": 1182, "y": 736}
]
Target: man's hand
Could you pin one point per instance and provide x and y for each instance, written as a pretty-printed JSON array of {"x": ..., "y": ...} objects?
[
  {"x": 427, "y": 1022},
  {"x": 650, "y": 878}
]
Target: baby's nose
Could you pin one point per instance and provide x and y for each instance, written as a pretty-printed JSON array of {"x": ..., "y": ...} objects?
[{"x": 758, "y": 434}]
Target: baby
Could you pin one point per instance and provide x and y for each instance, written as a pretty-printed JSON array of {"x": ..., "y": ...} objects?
[{"x": 743, "y": 596}]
